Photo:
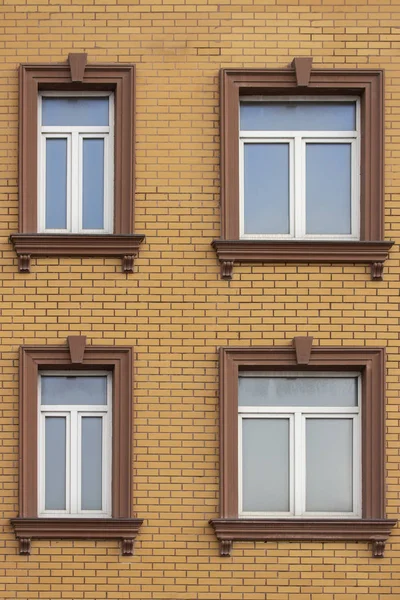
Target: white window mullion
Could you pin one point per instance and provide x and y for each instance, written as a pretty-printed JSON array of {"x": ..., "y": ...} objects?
[
  {"x": 42, "y": 183},
  {"x": 292, "y": 189},
  {"x": 106, "y": 190},
  {"x": 68, "y": 463},
  {"x": 241, "y": 188},
  {"x": 300, "y": 186},
  {"x": 107, "y": 450},
  {"x": 74, "y": 454},
  {"x": 357, "y": 471},
  {"x": 299, "y": 464},
  {"x": 42, "y": 462},
  {"x": 292, "y": 467},
  {"x": 109, "y": 171},
  {"x": 355, "y": 188},
  {"x": 76, "y": 183},
  {"x": 240, "y": 463}
]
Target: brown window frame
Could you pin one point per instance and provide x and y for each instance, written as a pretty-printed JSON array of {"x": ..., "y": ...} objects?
[
  {"x": 120, "y": 79},
  {"x": 373, "y": 526},
  {"x": 368, "y": 85},
  {"x": 122, "y": 525}
]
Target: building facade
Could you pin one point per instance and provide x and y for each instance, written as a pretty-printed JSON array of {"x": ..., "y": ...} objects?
[{"x": 200, "y": 389}]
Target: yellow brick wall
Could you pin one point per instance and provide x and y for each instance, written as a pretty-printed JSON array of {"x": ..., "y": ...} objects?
[{"x": 175, "y": 310}]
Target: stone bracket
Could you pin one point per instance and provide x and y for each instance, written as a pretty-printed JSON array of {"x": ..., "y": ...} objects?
[
  {"x": 227, "y": 269},
  {"x": 24, "y": 263},
  {"x": 377, "y": 271},
  {"x": 378, "y": 548},
  {"x": 127, "y": 546},
  {"x": 225, "y": 547},
  {"x": 127, "y": 263},
  {"x": 24, "y": 545}
]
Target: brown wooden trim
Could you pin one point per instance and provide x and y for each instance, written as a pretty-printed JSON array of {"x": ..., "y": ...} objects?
[
  {"x": 124, "y": 246},
  {"x": 119, "y": 78},
  {"x": 370, "y": 362},
  {"x": 118, "y": 360},
  {"x": 124, "y": 530},
  {"x": 372, "y": 253},
  {"x": 367, "y": 84},
  {"x": 376, "y": 531}
]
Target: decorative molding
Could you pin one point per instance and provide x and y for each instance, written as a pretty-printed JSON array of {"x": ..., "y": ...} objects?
[
  {"x": 227, "y": 269},
  {"x": 24, "y": 545},
  {"x": 370, "y": 363},
  {"x": 117, "y": 78},
  {"x": 302, "y": 345},
  {"x": 77, "y": 345},
  {"x": 125, "y": 530},
  {"x": 376, "y": 531},
  {"x": 377, "y": 271},
  {"x": 378, "y": 548},
  {"x": 116, "y": 359},
  {"x": 260, "y": 251},
  {"x": 367, "y": 84},
  {"x": 225, "y": 547},
  {"x": 77, "y": 64},
  {"x": 127, "y": 264},
  {"x": 302, "y": 66},
  {"x": 127, "y": 546},
  {"x": 74, "y": 244},
  {"x": 24, "y": 263}
]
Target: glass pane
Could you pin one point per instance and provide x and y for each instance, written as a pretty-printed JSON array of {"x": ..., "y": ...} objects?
[
  {"x": 55, "y": 463},
  {"x": 56, "y": 183},
  {"x": 265, "y": 465},
  {"x": 73, "y": 390},
  {"x": 298, "y": 391},
  {"x": 297, "y": 116},
  {"x": 328, "y": 188},
  {"x": 329, "y": 465},
  {"x": 266, "y": 188},
  {"x": 93, "y": 184},
  {"x": 92, "y": 463},
  {"x": 72, "y": 111}
]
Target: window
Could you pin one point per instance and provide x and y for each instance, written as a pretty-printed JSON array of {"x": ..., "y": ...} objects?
[
  {"x": 75, "y": 449},
  {"x": 299, "y": 168},
  {"x": 76, "y": 163},
  {"x": 302, "y": 168},
  {"x": 299, "y": 444},
  {"x": 302, "y": 446},
  {"x": 75, "y": 444}
]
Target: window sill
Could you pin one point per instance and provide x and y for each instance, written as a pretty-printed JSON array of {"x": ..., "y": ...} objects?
[
  {"x": 121, "y": 529},
  {"x": 125, "y": 246},
  {"x": 303, "y": 251},
  {"x": 375, "y": 531}
]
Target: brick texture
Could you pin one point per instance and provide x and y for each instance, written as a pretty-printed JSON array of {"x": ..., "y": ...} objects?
[{"x": 175, "y": 310}]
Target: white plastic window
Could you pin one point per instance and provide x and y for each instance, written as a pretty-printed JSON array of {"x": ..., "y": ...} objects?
[
  {"x": 300, "y": 168},
  {"x": 76, "y": 162},
  {"x": 299, "y": 445},
  {"x": 75, "y": 444}
]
